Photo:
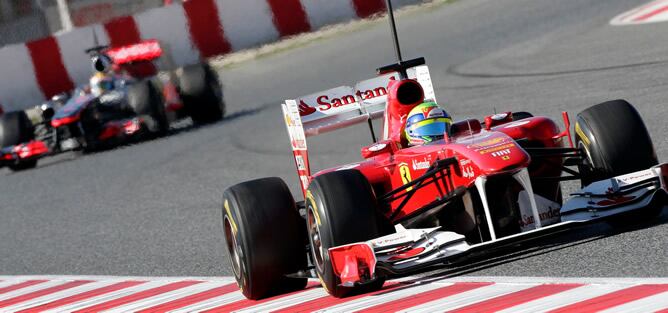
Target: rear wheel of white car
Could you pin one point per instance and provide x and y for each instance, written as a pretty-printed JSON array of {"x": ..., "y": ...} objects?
[
  {"x": 615, "y": 141},
  {"x": 265, "y": 237},
  {"x": 201, "y": 93},
  {"x": 341, "y": 209}
]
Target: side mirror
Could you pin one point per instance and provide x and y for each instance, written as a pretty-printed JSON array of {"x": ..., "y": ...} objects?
[
  {"x": 498, "y": 119},
  {"x": 378, "y": 148}
]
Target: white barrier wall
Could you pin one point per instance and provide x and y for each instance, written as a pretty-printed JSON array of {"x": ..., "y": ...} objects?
[{"x": 198, "y": 29}]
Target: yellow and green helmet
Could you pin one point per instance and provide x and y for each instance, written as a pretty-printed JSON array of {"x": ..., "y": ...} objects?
[{"x": 426, "y": 123}]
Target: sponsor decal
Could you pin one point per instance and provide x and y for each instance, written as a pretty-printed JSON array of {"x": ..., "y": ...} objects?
[
  {"x": 498, "y": 148},
  {"x": 377, "y": 147},
  {"x": 400, "y": 237},
  {"x": 467, "y": 172},
  {"x": 501, "y": 153},
  {"x": 464, "y": 162},
  {"x": 288, "y": 121},
  {"x": 305, "y": 181},
  {"x": 325, "y": 103},
  {"x": 487, "y": 143},
  {"x": 305, "y": 109},
  {"x": 551, "y": 212},
  {"x": 633, "y": 178},
  {"x": 421, "y": 165},
  {"x": 405, "y": 173},
  {"x": 301, "y": 165}
]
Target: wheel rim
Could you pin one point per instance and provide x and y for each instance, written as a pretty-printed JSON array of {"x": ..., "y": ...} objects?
[
  {"x": 317, "y": 250},
  {"x": 233, "y": 247}
]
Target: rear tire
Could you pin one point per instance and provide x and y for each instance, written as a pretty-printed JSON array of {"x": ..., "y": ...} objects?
[
  {"x": 145, "y": 99},
  {"x": 341, "y": 209},
  {"x": 201, "y": 93},
  {"x": 615, "y": 141},
  {"x": 265, "y": 237}
]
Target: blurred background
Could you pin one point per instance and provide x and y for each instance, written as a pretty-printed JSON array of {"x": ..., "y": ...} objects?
[{"x": 25, "y": 20}]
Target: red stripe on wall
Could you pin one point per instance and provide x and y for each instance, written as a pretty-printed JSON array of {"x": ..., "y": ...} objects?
[
  {"x": 614, "y": 299},
  {"x": 82, "y": 296},
  {"x": 192, "y": 299},
  {"x": 425, "y": 297},
  {"x": 366, "y": 8},
  {"x": 138, "y": 296},
  {"x": 21, "y": 285},
  {"x": 289, "y": 17},
  {"x": 122, "y": 31},
  {"x": 50, "y": 70},
  {"x": 43, "y": 292},
  {"x": 206, "y": 30},
  {"x": 516, "y": 298}
]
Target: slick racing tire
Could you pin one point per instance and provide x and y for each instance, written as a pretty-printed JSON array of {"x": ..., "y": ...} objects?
[
  {"x": 615, "y": 142},
  {"x": 145, "y": 99},
  {"x": 23, "y": 165},
  {"x": 201, "y": 93},
  {"x": 340, "y": 209},
  {"x": 265, "y": 237},
  {"x": 614, "y": 139},
  {"x": 15, "y": 128}
]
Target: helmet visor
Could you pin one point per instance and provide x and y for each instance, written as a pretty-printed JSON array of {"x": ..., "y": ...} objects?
[{"x": 430, "y": 127}]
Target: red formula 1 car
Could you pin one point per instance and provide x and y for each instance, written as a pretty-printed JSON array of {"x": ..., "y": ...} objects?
[
  {"x": 489, "y": 183},
  {"x": 127, "y": 100}
]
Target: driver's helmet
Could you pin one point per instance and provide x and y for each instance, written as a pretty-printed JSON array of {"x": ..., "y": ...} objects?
[
  {"x": 100, "y": 83},
  {"x": 426, "y": 123}
]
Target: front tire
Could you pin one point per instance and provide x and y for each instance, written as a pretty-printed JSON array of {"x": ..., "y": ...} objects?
[
  {"x": 615, "y": 141},
  {"x": 341, "y": 209},
  {"x": 265, "y": 237},
  {"x": 15, "y": 129}
]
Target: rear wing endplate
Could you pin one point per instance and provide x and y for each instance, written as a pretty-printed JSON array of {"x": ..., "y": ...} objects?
[{"x": 338, "y": 108}]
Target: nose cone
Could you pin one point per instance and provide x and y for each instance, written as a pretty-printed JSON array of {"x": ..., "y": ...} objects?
[{"x": 493, "y": 152}]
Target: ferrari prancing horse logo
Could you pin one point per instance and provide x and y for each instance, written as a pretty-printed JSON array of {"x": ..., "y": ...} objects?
[{"x": 405, "y": 174}]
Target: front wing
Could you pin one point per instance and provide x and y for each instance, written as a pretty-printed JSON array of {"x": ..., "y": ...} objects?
[
  {"x": 24, "y": 152},
  {"x": 410, "y": 250}
]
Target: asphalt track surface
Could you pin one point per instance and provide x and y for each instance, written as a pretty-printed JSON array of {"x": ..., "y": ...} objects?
[{"x": 154, "y": 209}]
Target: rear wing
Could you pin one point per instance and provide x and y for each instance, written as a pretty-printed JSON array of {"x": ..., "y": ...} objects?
[
  {"x": 339, "y": 108},
  {"x": 148, "y": 50}
]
